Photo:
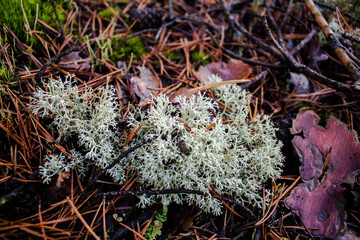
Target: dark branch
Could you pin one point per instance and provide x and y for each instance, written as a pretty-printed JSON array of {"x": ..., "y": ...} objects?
[
  {"x": 175, "y": 191},
  {"x": 54, "y": 59}
]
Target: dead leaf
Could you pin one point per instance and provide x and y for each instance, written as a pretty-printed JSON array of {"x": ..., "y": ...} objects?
[
  {"x": 74, "y": 61},
  {"x": 143, "y": 84},
  {"x": 233, "y": 70},
  {"x": 320, "y": 200},
  {"x": 301, "y": 81},
  {"x": 60, "y": 179},
  {"x": 184, "y": 92},
  {"x": 189, "y": 222}
]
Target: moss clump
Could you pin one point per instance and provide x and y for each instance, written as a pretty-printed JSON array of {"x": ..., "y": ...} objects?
[
  {"x": 173, "y": 56},
  {"x": 12, "y": 15},
  {"x": 107, "y": 13},
  {"x": 132, "y": 46},
  {"x": 200, "y": 58},
  {"x": 6, "y": 76},
  {"x": 154, "y": 229}
]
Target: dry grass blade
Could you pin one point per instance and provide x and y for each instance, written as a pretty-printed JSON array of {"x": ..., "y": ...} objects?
[
  {"x": 274, "y": 204},
  {"x": 213, "y": 85}
]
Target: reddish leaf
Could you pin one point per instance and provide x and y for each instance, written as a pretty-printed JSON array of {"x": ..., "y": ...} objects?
[
  {"x": 234, "y": 69},
  {"x": 320, "y": 200}
]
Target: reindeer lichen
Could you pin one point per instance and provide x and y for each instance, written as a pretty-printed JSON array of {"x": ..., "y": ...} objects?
[
  {"x": 196, "y": 143},
  {"x": 88, "y": 117},
  {"x": 199, "y": 144}
]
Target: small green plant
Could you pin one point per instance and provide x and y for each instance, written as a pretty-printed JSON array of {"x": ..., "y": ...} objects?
[
  {"x": 155, "y": 227},
  {"x": 107, "y": 13},
  {"x": 131, "y": 50},
  {"x": 18, "y": 15},
  {"x": 5, "y": 75},
  {"x": 132, "y": 46},
  {"x": 200, "y": 58},
  {"x": 173, "y": 56}
]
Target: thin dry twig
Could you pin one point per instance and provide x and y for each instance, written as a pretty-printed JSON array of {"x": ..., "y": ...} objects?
[{"x": 335, "y": 44}]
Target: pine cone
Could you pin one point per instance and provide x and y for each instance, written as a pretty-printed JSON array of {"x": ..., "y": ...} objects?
[{"x": 150, "y": 17}]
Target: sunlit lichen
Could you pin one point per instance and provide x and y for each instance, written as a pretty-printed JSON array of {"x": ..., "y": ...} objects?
[
  {"x": 199, "y": 144},
  {"x": 195, "y": 144},
  {"x": 89, "y": 117}
]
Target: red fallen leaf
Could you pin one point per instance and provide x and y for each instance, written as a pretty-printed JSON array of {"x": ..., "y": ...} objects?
[
  {"x": 233, "y": 70},
  {"x": 320, "y": 200}
]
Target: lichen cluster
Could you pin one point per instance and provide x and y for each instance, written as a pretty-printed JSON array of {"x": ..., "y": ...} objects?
[
  {"x": 88, "y": 117},
  {"x": 196, "y": 143},
  {"x": 199, "y": 144}
]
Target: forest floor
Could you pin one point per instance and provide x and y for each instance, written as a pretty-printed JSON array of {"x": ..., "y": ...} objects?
[{"x": 276, "y": 50}]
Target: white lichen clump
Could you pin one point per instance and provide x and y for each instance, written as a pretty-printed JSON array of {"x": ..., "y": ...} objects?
[
  {"x": 87, "y": 117},
  {"x": 196, "y": 143},
  {"x": 199, "y": 144}
]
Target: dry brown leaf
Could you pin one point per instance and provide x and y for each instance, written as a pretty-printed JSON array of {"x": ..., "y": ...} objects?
[
  {"x": 74, "y": 61},
  {"x": 143, "y": 84},
  {"x": 184, "y": 92},
  {"x": 233, "y": 70}
]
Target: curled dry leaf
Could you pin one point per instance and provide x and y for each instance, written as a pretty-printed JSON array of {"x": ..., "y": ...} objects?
[
  {"x": 320, "y": 200},
  {"x": 74, "y": 61},
  {"x": 301, "y": 81},
  {"x": 143, "y": 84},
  {"x": 184, "y": 92},
  {"x": 233, "y": 70}
]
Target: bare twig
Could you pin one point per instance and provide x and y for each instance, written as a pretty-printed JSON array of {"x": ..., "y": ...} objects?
[
  {"x": 301, "y": 68},
  {"x": 335, "y": 44},
  {"x": 274, "y": 24},
  {"x": 54, "y": 59},
  {"x": 58, "y": 19},
  {"x": 282, "y": 24},
  {"x": 171, "y": 10},
  {"x": 247, "y": 34},
  {"x": 246, "y": 60},
  {"x": 351, "y": 37},
  {"x": 116, "y": 161},
  {"x": 175, "y": 191}
]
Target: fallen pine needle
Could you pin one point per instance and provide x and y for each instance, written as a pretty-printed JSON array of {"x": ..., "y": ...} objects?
[{"x": 82, "y": 219}]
